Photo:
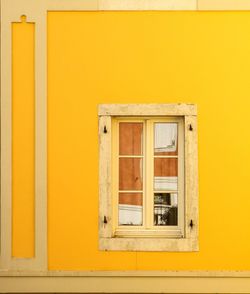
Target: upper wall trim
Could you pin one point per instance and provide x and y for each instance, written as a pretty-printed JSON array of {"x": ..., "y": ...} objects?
[
  {"x": 223, "y": 5},
  {"x": 148, "y": 5},
  {"x": 14, "y": 7},
  {"x": 143, "y": 5}
]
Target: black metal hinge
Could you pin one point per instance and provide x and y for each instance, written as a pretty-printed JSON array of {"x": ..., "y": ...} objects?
[{"x": 191, "y": 224}]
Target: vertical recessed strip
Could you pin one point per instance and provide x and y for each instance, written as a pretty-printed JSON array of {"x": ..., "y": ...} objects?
[
  {"x": 41, "y": 140},
  {"x": 23, "y": 139},
  {"x": 39, "y": 18},
  {"x": 39, "y": 262}
]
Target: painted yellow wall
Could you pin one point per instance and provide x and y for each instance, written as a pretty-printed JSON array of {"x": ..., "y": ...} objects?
[
  {"x": 145, "y": 57},
  {"x": 23, "y": 153}
]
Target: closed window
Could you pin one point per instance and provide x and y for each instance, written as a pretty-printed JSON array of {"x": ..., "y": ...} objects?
[{"x": 148, "y": 177}]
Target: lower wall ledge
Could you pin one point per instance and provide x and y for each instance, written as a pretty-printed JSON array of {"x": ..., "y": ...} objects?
[{"x": 125, "y": 282}]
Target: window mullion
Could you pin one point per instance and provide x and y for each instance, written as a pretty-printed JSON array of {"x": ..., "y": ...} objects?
[{"x": 149, "y": 174}]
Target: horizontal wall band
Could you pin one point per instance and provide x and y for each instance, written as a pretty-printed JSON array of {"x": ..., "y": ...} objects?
[
  {"x": 133, "y": 5},
  {"x": 226, "y": 5},
  {"x": 150, "y": 274},
  {"x": 125, "y": 284},
  {"x": 123, "y": 5},
  {"x": 148, "y": 5}
]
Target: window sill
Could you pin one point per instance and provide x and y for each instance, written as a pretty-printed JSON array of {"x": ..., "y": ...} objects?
[{"x": 149, "y": 244}]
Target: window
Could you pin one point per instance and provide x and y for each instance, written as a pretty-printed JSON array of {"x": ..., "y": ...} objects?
[{"x": 148, "y": 177}]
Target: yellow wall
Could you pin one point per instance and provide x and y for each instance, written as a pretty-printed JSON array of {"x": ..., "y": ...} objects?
[
  {"x": 145, "y": 57},
  {"x": 23, "y": 153}
]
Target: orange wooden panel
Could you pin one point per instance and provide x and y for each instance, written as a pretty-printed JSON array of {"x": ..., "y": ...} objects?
[
  {"x": 130, "y": 198},
  {"x": 165, "y": 167},
  {"x": 130, "y": 138},
  {"x": 130, "y": 174}
]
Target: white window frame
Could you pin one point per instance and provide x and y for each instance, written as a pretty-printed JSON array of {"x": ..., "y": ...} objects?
[
  {"x": 147, "y": 229},
  {"x": 157, "y": 241}
]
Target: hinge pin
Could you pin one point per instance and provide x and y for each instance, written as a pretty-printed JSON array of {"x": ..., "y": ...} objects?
[{"x": 191, "y": 224}]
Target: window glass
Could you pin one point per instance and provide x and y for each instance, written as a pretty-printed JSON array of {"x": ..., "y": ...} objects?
[
  {"x": 165, "y": 139},
  {"x": 130, "y": 138},
  {"x": 165, "y": 174},
  {"x": 165, "y": 209},
  {"x": 130, "y": 208},
  {"x": 130, "y": 174}
]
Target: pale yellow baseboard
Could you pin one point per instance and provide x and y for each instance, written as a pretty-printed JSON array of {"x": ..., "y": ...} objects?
[{"x": 125, "y": 282}]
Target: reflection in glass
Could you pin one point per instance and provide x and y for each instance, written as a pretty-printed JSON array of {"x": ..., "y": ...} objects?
[
  {"x": 165, "y": 139},
  {"x": 165, "y": 209},
  {"x": 130, "y": 174},
  {"x": 130, "y": 138},
  {"x": 165, "y": 174},
  {"x": 130, "y": 209}
]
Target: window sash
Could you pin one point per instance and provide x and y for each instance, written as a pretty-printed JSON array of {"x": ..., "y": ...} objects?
[{"x": 147, "y": 229}]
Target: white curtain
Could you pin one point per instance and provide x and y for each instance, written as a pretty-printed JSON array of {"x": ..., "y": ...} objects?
[{"x": 165, "y": 137}]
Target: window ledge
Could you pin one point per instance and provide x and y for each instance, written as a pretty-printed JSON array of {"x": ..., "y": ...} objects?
[{"x": 148, "y": 244}]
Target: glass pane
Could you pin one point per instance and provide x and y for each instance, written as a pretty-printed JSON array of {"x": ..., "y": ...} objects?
[
  {"x": 130, "y": 209},
  {"x": 165, "y": 139},
  {"x": 165, "y": 174},
  {"x": 130, "y": 174},
  {"x": 165, "y": 209},
  {"x": 130, "y": 138}
]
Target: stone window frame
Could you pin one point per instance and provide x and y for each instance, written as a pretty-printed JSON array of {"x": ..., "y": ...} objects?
[{"x": 107, "y": 241}]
